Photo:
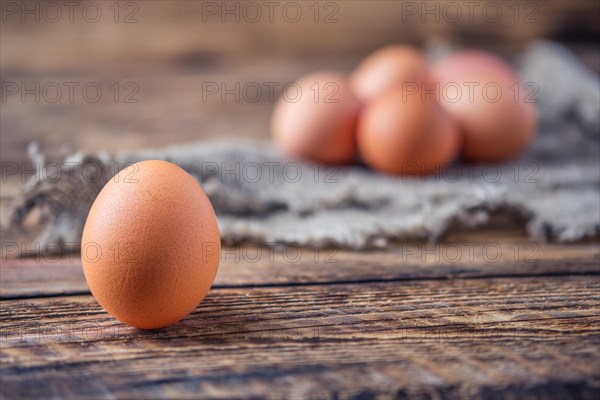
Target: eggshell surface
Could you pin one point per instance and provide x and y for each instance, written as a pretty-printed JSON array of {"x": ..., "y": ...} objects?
[
  {"x": 150, "y": 245},
  {"x": 406, "y": 134},
  {"x": 494, "y": 111},
  {"x": 317, "y": 119}
]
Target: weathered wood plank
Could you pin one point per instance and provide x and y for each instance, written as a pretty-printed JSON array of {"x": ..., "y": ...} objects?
[
  {"x": 528, "y": 337},
  {"x": 468, "y": 255}
]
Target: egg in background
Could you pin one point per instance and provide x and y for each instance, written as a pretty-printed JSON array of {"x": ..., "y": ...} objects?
[
  {"x": 406, "y": 134},
  {"x": 496, "y": 117},
  {"x": 386, "y": 69},
  {"x": 318, "y": 121}
]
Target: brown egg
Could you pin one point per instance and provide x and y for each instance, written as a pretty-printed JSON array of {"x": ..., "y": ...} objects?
[
  {"x": 316, "y": 119},
  {"x": 386, "y": 69},
  {"x": 150, "y": 246},
  {"x": 494, "y": 111},
  {"x": 406, "y": 134}
]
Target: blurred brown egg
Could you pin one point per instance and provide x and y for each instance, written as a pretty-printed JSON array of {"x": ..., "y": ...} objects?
[
  {"x": 493, "y": 109},
  {"x": 316, "y": 119},
  {"x": 406, "y": 134},
  {"x": 150, "y": 246},
  {"x": 387, "y": 68}
]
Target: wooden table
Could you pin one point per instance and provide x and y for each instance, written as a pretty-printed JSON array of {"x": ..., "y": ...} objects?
[{"x": 331, "y": 324}]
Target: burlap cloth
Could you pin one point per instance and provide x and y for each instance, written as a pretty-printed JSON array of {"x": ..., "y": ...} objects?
[{"x": 263, "y": 197}]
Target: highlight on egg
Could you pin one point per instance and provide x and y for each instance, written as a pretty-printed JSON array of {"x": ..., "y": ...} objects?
[
  {"x": 151, "y": 245},
  {"x": 386, "y": 69}
]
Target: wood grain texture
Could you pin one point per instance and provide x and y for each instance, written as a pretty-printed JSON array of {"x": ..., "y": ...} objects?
[
  {"x": 470, "y": 254},
  {"x": 474, "y": 338}
]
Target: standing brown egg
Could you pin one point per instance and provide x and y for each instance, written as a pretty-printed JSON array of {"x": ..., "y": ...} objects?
[
  {"x": 386, "y": 69},
  {"x": 406, "y": 134},
  {"x": 316, "y": 118},
  {"x": 493, "y": 109},
  {"x": 150, "y": 246}
]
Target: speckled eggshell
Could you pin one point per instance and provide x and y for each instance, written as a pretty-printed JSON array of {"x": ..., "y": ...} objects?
[{"x": 151, "y": 245}]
